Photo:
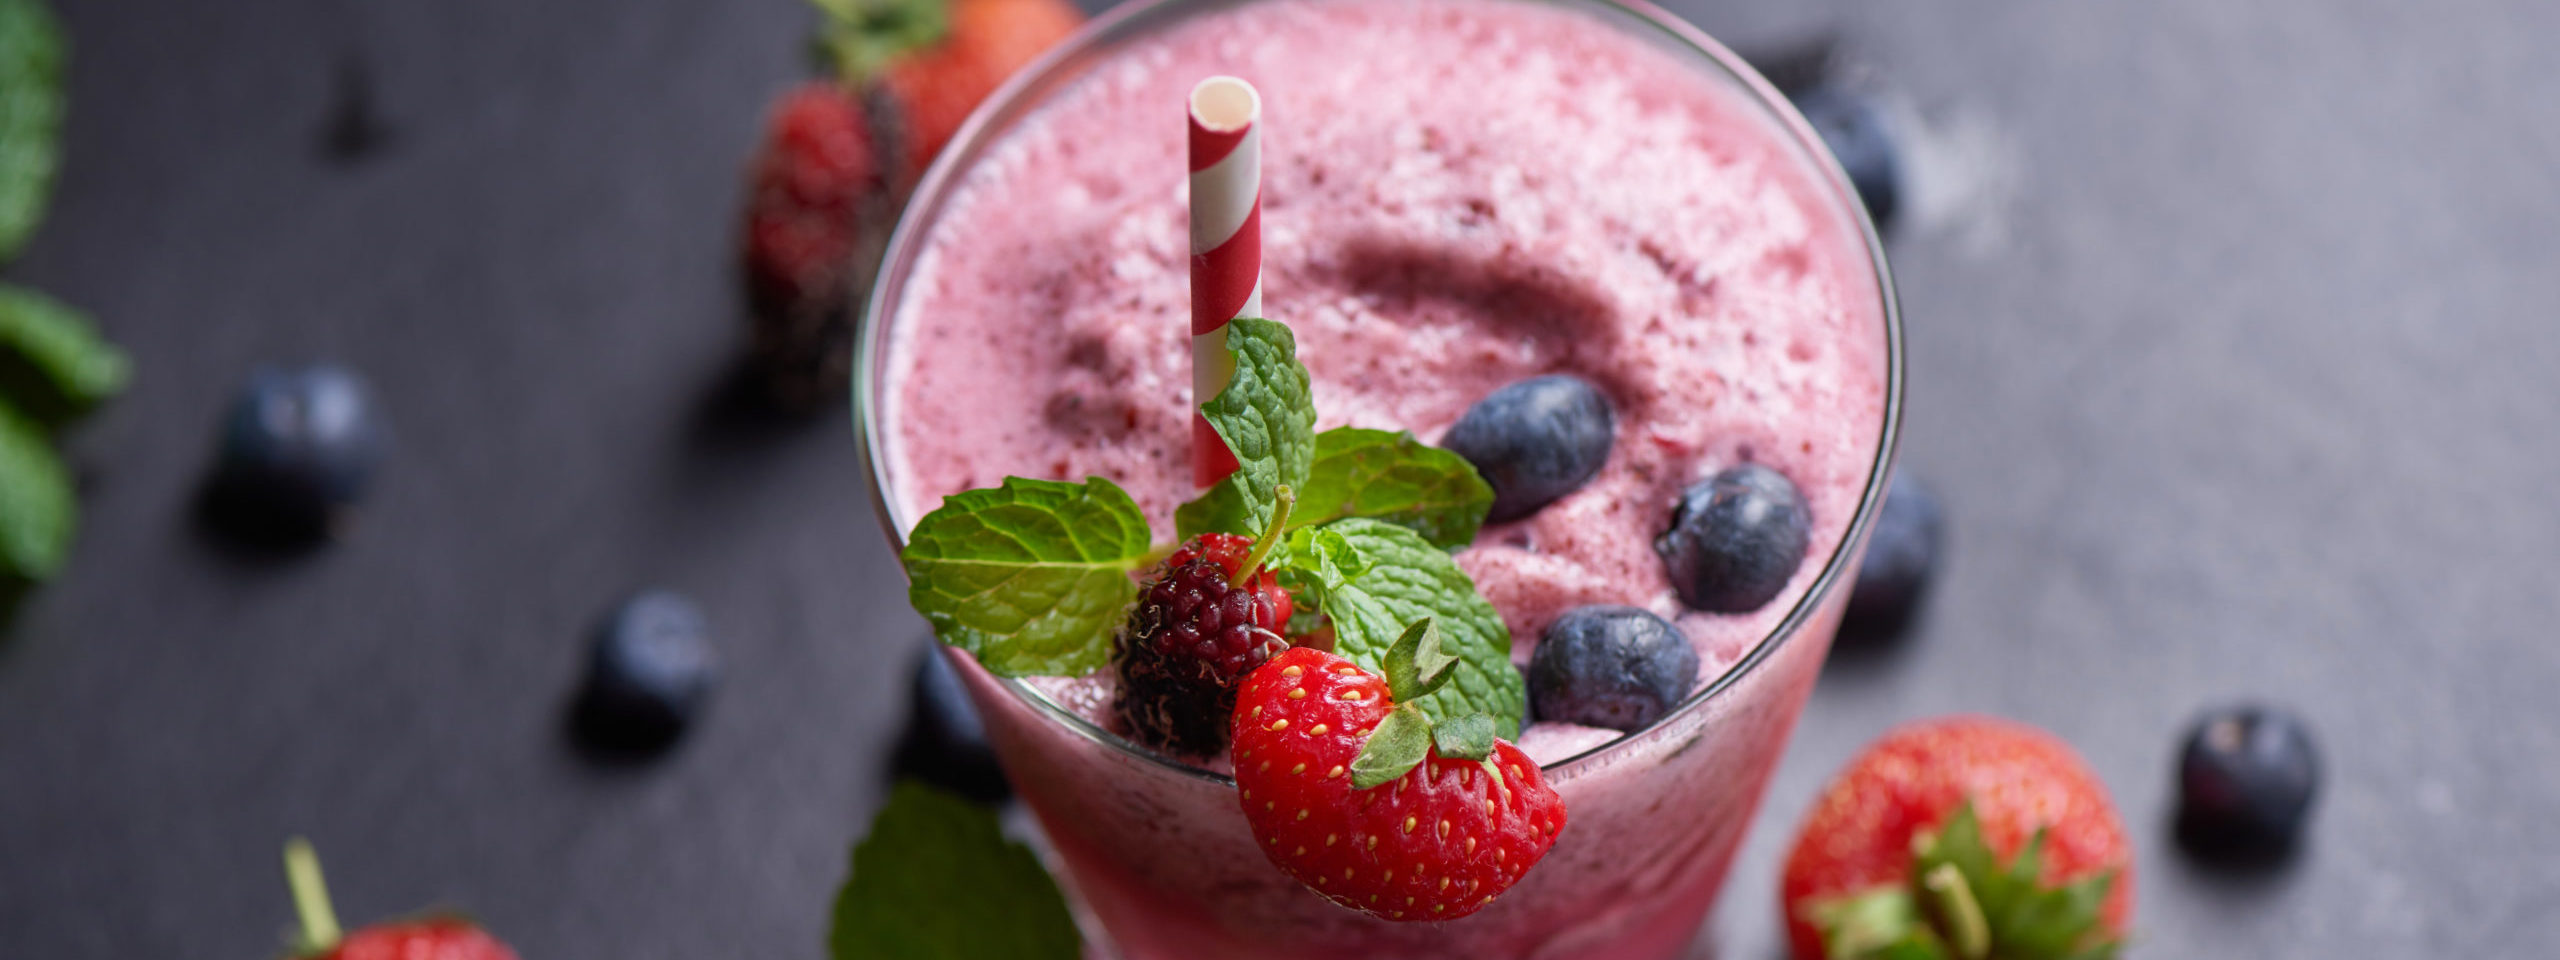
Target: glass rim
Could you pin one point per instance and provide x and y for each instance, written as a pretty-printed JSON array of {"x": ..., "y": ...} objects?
[{"x": 1130, "y": 18}]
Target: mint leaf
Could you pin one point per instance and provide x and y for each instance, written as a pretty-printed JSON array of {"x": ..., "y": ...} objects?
[
  {"x": 1466, "y": 738},
  {"x": 1373, "y": 578},
  {"x": 1031, "y": 576},
  {"x": 1268, "y": 418},
  {"x": 52, "y": 362},
  {"x": 31, "y": 55},
  {"x": 936, "y": 880},
  {"x": 1393, "y": 477},
  {"x": 1416, "y": 667},
  {"x": 1399, "y": 744},
  {"x": 36, "y": 506}
]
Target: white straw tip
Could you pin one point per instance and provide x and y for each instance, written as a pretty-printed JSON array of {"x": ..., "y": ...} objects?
[{"x": 1225, "y": 104}]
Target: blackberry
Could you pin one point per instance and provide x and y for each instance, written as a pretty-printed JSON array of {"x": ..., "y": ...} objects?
[{"x": 1190, "y": 639}]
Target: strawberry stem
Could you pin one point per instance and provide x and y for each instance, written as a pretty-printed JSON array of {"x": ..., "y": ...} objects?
[
  {"x": 1283, "y": 498},
  {"x": 310, "y": 896},
  {"x": 1966, "y": 928}
]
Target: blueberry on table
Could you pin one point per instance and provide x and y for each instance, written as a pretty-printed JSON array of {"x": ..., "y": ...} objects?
[
  {"x": 1610, "y": 666},
  {"x": 1534, "y": 441},
  {"x": 299, "y": 449},
  {"x": 2246, "y": 780},
  {"x": 1902, "y": 551},
  {"x": 1735, "y": 540},
  {"x": 945, "y": 743},
  {"x": 1855, "y": 129},
  {"x": 648, "y": 674}
]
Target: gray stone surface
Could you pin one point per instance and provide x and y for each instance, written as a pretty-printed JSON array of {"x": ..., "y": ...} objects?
[{"x": 2232, "y": 357}]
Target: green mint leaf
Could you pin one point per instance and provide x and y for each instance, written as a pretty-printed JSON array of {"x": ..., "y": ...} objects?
[
  {"x": 936, "y": 880},
  {"x": 1466, "y": 738},
  {"x": 1416, "y": 667},
  {"x": 1268, "y": 418},
  {"x": 1393, "y": 477},
  {"x": 1031, "y": 576},
  {"x": 1399, "y": 744},
  {"x": 1373, "y": 578},
  {"x": 31, "y": 57},
  {"x": 52, "y": 362},
  {"x": 36, "y": 505}
]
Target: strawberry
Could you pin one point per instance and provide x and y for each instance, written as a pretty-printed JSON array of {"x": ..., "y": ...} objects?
[
  {"x": 1435, "y": 843},
  {"x": 428, "y": 938},
  {"x": 933, "y": 90},
  {"x": 810, "y": 181},
  {"x": 1965, "y": 837}
]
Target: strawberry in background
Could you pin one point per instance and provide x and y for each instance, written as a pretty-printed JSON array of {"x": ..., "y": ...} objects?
[
  {"x": 1960, "y": 838},
  {"x": 434, "y": 937},
  {"x": 840, "y": 154}
]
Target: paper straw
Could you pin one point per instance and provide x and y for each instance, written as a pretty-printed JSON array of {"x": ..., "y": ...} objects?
[{"x": 1226, "y": 248}]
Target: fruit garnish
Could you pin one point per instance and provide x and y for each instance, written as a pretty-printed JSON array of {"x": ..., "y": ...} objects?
[
  {"x": 1376, "y": 805},
  {"x": 437, "y": 937},
  {"x": 1204, "y": 618},
  {"x": 1535, "y": 441},
  {"x": 1610, "y": 666},
  {"x": 1735, "y": 540},
  {"x": 936, "y": 879},
  {"x": 1962, "y": 838},
  {"x": 2246, "y": 780}
]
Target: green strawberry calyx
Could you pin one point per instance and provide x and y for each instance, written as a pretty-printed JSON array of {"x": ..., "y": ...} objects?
[
  {"x": 859, "y": 38},
  {"x": 310, "y": 899},
  {"x": 1963, "y": 903}
]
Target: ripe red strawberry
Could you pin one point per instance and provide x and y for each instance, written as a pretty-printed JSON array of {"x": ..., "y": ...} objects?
[
  {"x": 810, "y": 182},
  {"x": 933, "y": 89},
  {"x": 427, "y": 938},
  {"x": 1977, "y": 793},
  {"x": 1191, "y": 638},
  {"x": 1437, "y": 843}
]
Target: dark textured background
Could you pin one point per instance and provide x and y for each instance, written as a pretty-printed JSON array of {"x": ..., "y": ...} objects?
[{"x": 2233, "y": 353}]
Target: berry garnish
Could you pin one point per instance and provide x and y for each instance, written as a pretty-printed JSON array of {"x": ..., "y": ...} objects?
[
  {"x": 1610, "y": 666},
  {"x": 1961, "y": 837},
  {"x": 1436, "y": 840},
  {"x": 1535, "y": 441},
  {"x": 2246, "y": 780},
  {"x": 1204, "y": 618},
  {"x": 804, "y": 204},
  {"x": 299, "y": 450},
  {"x": 649, "y": 672},
  {"x": 1735, "y": 539},
  {"x": 1854, "y": 128},
  {"x": 1902, "y": 550},
  {"x": 945, "y": 743},
  {"x": 426, "y": 938}
]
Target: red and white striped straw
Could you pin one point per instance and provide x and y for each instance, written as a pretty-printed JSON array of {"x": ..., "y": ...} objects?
[{"x": 1226, "y": 248}]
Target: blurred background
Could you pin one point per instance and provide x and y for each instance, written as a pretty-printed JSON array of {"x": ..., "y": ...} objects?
[{"x": 2231, "y": 358}]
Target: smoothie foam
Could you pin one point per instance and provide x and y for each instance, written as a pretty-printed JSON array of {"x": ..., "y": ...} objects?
[{"x": 1457, "y": 195}]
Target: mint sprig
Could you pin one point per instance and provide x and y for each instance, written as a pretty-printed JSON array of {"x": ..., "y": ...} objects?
[
  {"x": 53, "y": 364},
  {"x": 936, "y": 879},
  {"x": 36, "y": 504},
  {"x": 1268, "y": 419},
  {"x": 1374, "y": 579},
  {"x": 1391, "y": 476},
  {"x": 31, "y": 59},
  {"x": 1032, "y": 576}
]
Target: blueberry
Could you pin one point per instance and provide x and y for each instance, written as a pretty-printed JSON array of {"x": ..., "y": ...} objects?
[
  {"x": 945, "y": 742},
  {"x": 1736, "y": 538},
  {"x": 299, "y": 448},
  {"x": 648, "y": 674},
  {"x": 1902, "y": 550},
  {"x": 1614, "y": 667},
  {"x": 2246, "y": 780},
  {"x": 1855, "y": 129},
  {"x": 1534, "y": 441}
]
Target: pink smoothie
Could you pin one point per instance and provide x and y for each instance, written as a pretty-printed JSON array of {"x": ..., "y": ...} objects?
[{"x": 1458, "y": 194}]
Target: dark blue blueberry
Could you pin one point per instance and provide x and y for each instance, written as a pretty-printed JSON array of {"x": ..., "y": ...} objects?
[
  {"x": 299, "y": 448},
  {"x": 1902, "y": 550},
  {"x": 945, "y": 742},
  {"x": 1856, "y": 131},
  {"x": 2246, "y": 781},
  {"x": 1736, "y": 538},
  {"x": 649, "y": 673},
  {"x": 1614, "y": 667},
  {"x": 1534, "y": 441}
]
